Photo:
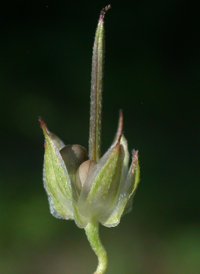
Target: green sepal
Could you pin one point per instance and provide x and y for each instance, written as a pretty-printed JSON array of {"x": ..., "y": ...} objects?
[
  {"x": 56, "y": 179},
  {"x": 133, "y": 180},
  {"x": 126, "y": 193},
  {"x": 99, "y": 192}
]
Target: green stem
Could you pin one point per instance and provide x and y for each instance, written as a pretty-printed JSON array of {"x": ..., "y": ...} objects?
[{"x": 92, "y": 232}]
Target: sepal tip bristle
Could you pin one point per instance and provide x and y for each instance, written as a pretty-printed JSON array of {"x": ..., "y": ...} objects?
[{"x": 43, "y": 126}]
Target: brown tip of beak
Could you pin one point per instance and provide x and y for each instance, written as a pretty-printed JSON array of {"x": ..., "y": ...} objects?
[{"x": 104, "y": 10}]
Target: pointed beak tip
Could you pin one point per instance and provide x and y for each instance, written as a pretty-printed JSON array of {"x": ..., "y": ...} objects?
[{"x": 104, "y": 10}]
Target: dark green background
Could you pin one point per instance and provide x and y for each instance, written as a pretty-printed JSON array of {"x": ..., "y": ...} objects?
[{"x": 151, "y": 72}]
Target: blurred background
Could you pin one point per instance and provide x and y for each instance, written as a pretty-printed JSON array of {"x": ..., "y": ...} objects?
[{"x": 151, "y": 72}]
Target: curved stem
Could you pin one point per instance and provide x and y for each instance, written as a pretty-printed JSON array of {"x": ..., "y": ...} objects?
[{"x": 92, "y": 232}]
